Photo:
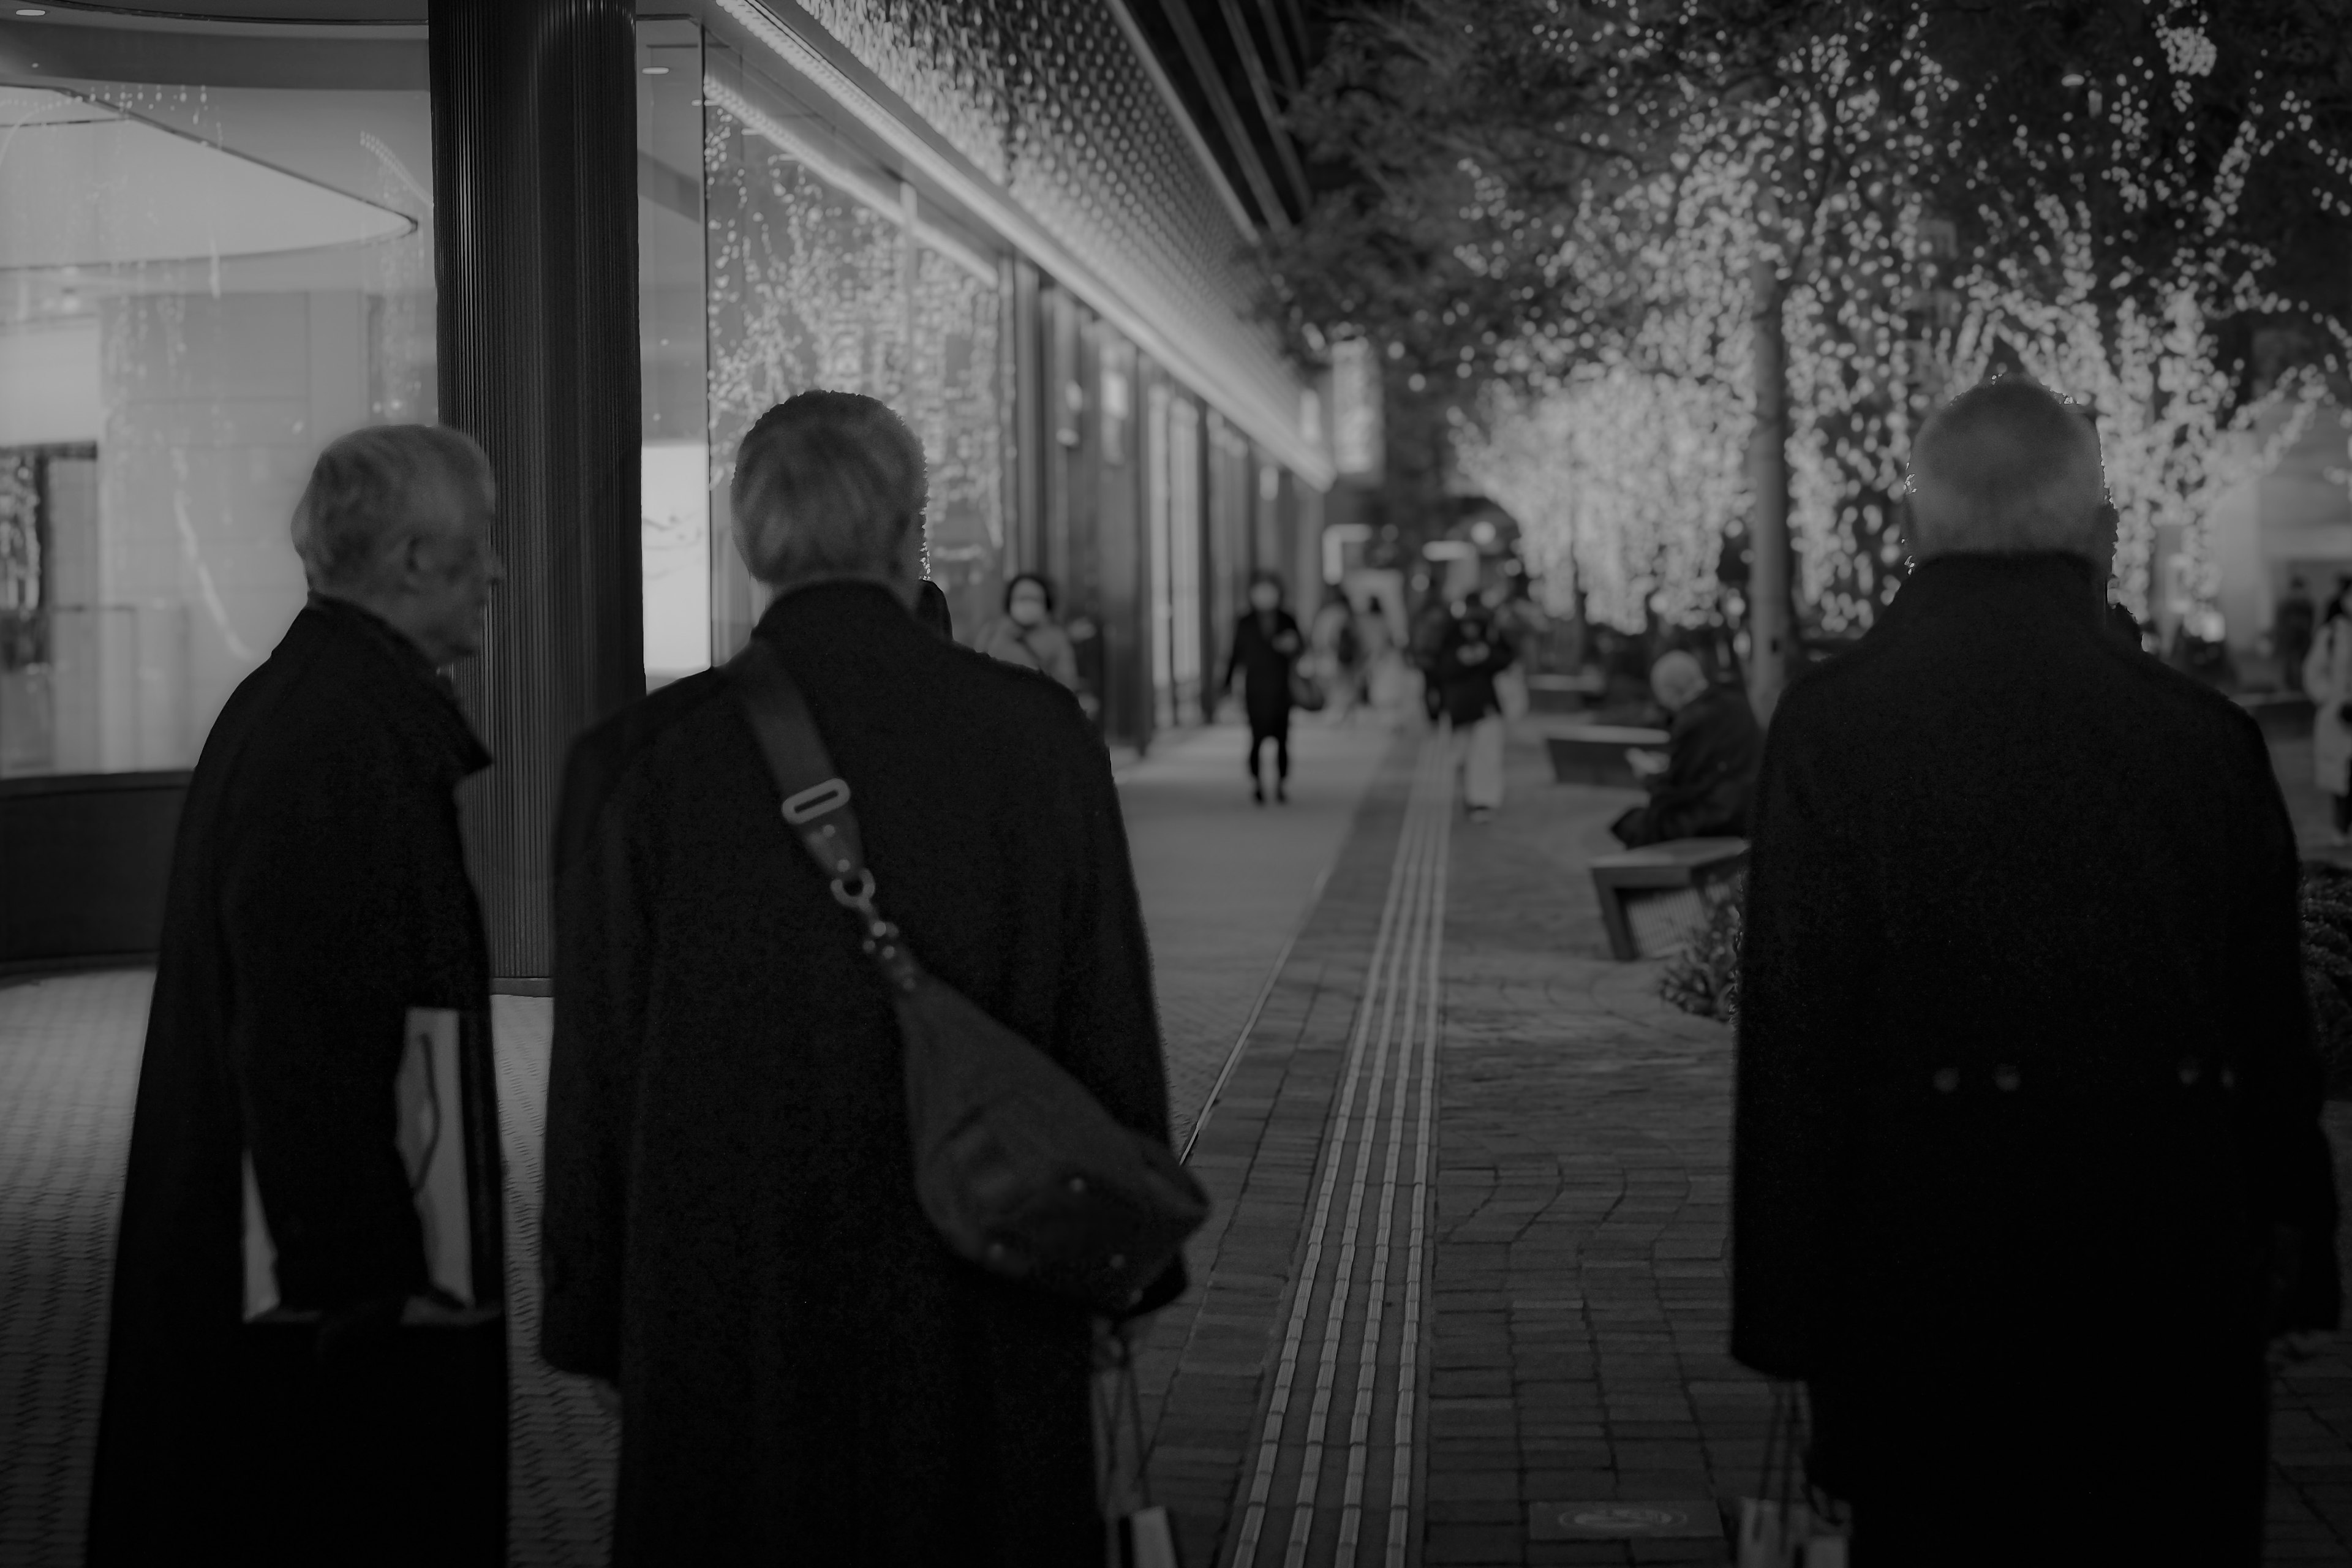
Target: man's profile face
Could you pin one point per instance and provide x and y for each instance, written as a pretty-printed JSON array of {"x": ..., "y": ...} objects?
[{"x": 454, "y": 568}]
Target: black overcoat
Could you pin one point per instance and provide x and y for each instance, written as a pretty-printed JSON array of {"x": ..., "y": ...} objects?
[
  {"x": 732, "y": 1228},
  {"x": 1471, "y": 653},
  {"x": 2025, "y": 1067},
  {"x": 1712, "y": 752},
  {"x": 318, "y": 891},
  {"x": 1265, "y": 660}
]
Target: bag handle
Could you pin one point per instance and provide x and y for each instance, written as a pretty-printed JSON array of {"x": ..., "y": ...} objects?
[{"x": 815, "y": 800}]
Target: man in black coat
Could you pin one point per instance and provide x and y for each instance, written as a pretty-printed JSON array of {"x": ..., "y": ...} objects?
[
  {"x": 319, "y": 931},
  {"x": 1700, "y": 788},
  {"x": 2027, "y": 1161},
  {"x": 806, "y": 1374}
]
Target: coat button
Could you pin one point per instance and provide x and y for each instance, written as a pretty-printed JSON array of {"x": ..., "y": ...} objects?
[
  {"x": 2228, "y": 1077},
  {"x": 2005, "y": 1078},
  {"x": 1077, "y": 1184},
  {"x": 1946, "y": 1079},
  {"x": 2191, "y": 1069}
]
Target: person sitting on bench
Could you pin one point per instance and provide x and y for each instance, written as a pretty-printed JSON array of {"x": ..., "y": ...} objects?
[{"x": 1699, "y": 786}]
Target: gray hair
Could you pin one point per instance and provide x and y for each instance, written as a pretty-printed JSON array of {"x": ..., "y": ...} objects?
[
  {"x": 2007, "y": 465},
  {"x": 1677, "y": 677},
  {"x": 826, "y": 483},
  {"x": 374, "y": 486}
]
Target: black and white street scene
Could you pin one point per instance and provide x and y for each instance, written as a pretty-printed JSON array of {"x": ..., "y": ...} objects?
[{"x": 1175, "y": 783}]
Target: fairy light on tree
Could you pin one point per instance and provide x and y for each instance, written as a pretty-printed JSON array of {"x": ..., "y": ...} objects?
[{"x": 1845, "y": 205}]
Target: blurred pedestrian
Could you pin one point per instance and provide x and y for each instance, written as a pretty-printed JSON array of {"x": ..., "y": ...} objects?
[
  {"x": 2028, "y": 1166},
  {"x": 1431, "y": 629},
  {"x": 2327, "y": 680},
  {"x": 1264, "y": 653},
  {"x": 1699, "y": 787},
  {"x": 732, "y": 1234},
  {"x": 1338, "y": 653},
  {"x": 1028, "y": 635},
  {"x": 1472, "y": 652},
  {"x": 2292, "y": 630},
  {"x": 319, "y": 1021}
]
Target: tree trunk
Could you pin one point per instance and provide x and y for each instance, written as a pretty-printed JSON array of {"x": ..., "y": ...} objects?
[{"x": 1769, "y": 621}]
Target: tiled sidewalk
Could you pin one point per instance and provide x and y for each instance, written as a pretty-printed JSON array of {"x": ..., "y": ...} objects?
[
  {"x": 1567, "y": 1352},
  {"x": 1224, "y": 885},
  {"x": 1577, "y": 1288}
]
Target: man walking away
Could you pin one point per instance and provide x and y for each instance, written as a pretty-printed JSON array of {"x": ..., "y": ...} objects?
[
  {"x": 1700, "y": 787},
  {"x": 2028, "y": 1163},
  {"x": 1471, "y": 653},
  {"x": 320, "y": 921},
  {"x": 731, "y": 1232}
]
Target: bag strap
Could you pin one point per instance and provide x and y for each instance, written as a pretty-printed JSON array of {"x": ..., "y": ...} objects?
[{"x": 816, "y": 799}]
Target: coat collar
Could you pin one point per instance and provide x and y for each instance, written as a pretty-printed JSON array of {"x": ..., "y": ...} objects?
[
  {"x": 834, "y": 601},
  {"x": 2053, "y": 582},
  {"x": 435, "y": 697}
]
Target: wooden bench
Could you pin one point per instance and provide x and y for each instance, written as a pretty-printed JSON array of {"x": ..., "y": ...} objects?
[
  {"x": 1691, "y": 863},
  {"x": 1595, "y": 754},
  {"x": 1565, "y": 693}
]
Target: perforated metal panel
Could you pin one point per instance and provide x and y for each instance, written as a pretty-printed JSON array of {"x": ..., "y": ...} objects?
[{"x": 1047, "y": 98}]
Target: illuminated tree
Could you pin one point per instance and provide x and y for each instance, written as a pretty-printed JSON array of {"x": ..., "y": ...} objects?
[{"x": 1518, "y": 181}]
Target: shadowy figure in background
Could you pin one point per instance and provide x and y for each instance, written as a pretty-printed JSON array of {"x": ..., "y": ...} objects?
[
  {"x": 2292, "y": 630},
  {"x": 2028, "y": 1167},
  {"x": 1028, "y": 635},
  {"x": 1473, "y": 651},
  {"x": 806, "y": 1371},
  {"x": 1699, "y": 787},
  {"x": 321, "y": 916},
  {"x": 2327, "y": 680},
  {"x": 1266, "y": 646},
  {"x": 1338, "y": 653}
]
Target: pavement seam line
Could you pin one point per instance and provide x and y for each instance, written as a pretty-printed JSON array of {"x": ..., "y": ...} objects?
[
  {"x": 1285, "y": 1372},
  {"x": 1266, "y": 990}
]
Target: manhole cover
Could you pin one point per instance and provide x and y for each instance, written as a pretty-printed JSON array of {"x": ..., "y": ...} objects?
[{"x": 1617, "y": 1520}]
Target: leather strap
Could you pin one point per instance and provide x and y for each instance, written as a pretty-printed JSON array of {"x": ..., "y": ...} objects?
[{"x": 815, "y": 798}]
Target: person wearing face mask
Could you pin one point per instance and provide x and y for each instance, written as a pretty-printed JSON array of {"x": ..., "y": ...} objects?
[
  {"x": 1028, "y": 637},
  {"x": 1265, "y": 648}
]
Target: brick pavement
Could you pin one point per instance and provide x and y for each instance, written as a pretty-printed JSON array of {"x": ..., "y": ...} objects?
[
  {"x": 1224, "y": 885},
  {"x": 1572, "y": 1280}
]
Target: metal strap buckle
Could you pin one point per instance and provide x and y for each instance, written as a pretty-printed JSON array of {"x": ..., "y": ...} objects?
[
  {"x": 816, "y": 801},
  {"x": 862, "y": 901}
]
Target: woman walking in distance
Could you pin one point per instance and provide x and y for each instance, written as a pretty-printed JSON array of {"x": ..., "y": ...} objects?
[
  {"x": 1028, "y": 635},
  {"x": 1266, "y": 648},
  {"x": 2327, "y": 679}
]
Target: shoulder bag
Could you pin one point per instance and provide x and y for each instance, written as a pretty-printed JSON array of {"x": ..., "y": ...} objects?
[{"x": 1017, "y": 1166}]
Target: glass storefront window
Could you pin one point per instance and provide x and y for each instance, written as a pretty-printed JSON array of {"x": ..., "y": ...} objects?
[
  {"x": 675, "y": 472},
  {"x": 827, "y": 271},
  {"x": 215, "y": 255}
]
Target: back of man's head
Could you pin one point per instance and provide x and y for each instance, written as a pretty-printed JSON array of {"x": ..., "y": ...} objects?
[
  {"x": 2007, "y": 465},
  {"x": 372, "y": 489},
  {"x": 1677, "y": 680},
  {"x": 826, "y": 485}
]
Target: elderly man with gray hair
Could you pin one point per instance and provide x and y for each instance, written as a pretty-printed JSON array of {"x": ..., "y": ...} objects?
[
  {"x": 2028, "y": 1163},
  {"x": 1699, "y": 788},
  {"x": 733, "y": 1240},
  {"x": 313, "y": 1166}
]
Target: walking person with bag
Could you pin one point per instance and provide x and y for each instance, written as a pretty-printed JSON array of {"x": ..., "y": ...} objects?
[
  {"x": 778, "y": 1001},
  {"x": 2327, "y": 674},
  {"x": 307, "y": 1360},
  {"x": 2028, "y": 1176},
  {"x": 1265, "y": 654},
  {"x": 1471, "y": 653}
]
